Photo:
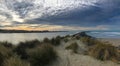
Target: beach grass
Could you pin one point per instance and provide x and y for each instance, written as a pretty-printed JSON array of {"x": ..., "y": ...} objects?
[
  {"x": 15, "y": 61},
  {"x": 73, "y": 47},
  {"x": 104, "y": 52}
]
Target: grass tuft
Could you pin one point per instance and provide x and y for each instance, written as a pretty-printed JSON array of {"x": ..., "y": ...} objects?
[{"x": 73, "y": 47}]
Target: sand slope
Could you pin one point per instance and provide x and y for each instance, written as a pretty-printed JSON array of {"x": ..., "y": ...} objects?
[{"x": 67, "y": 58}]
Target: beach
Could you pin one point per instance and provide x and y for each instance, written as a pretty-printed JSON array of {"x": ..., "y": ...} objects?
[{"x": 113, "y": 41}]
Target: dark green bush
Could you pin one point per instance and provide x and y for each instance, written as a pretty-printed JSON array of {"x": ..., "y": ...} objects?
[
  {"x": 73, "y": 47},
  {"x": 56, "y": 41},
  {"x": 21, "y": 52},
  {"x": 29, "y": 44},
  {"x": 53, "y": 41},
  {"x": 46, "y": 40},
  {"x": 20, "y": 49},
  {"x": 42, "y": 55}
]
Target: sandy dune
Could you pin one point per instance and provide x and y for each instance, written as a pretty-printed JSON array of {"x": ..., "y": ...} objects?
[{"x": 67, "y": 58}]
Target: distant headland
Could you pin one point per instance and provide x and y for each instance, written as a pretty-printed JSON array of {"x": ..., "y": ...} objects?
[{"x": 27, "y": 31}]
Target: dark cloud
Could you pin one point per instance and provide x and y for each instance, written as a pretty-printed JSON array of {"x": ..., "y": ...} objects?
[
  {"x": 101, "y": 13},
  {"x": 22, "y": 8}
]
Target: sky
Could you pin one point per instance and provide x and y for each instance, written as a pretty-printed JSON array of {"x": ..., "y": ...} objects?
[{"x": 60, "y": 14}]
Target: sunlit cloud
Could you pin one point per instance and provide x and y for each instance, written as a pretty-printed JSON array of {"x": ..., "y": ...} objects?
[
  {"x": 52, "y": 27},
  {"x": 5, "y": 24},
  {"x": 17, "y": 18}
]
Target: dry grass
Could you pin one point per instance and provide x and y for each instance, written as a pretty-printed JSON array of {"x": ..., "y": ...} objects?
[
  {"x": 101, "y": 50},
  {"x": 4, "y": 53},
  {"x": 88, "y": 41},
  {"x": 73, "y": 47},
  {"x": 15, "y": 61},
  {"x": 104, "y": 51}
]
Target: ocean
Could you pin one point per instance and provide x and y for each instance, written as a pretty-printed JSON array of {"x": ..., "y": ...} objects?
[{"x": 104, "y": 34}]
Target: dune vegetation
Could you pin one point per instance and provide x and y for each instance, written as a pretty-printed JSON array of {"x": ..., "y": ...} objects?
[
  {"x": 43, "y": 53},
  {"x": 104, "y": 52},
  {"x": 73, "y": 47},
  {"x": 28, "y": 53},
  {"x": 101, "y": 50}
]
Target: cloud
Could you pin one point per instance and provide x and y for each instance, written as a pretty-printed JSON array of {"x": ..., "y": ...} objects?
[
  {"x": 85, "y": 14},
  {"x": 100, "y": 13},
  {"x": 51, "y": 27}
]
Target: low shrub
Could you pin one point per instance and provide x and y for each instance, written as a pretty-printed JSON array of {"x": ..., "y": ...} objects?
[
  {"x": 20, "y": 49},
  {"x": 53, "y": 42},
  {"x": 29, "y": 44},
  {"x": 42, "y": 55},
  {"x": 66, "y": 40},
  {"x": 56, "y": 41},
  {"x": 73, "y": 47},
  {"x": 46, "y": 40},
  {"x": 21, "y": 52}
]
